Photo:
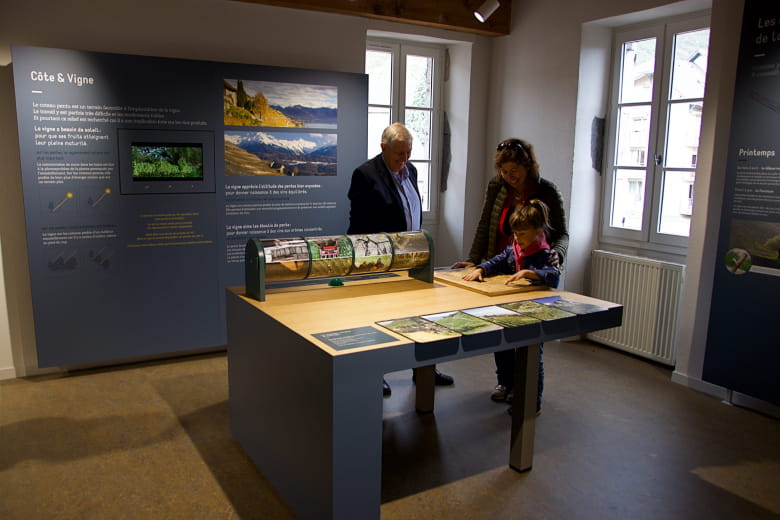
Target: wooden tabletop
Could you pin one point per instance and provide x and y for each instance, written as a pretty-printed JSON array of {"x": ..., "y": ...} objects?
[{"x": 316, "y": 309}]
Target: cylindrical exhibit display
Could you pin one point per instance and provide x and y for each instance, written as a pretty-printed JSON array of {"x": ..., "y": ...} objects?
[
  {"x": 373, "y": 253},
  {"x": 338, "y": 255},
  {"x": 286, "y": 258},
  {"x": 410, "y": 250},
  {"x": 330, "y": 256}
]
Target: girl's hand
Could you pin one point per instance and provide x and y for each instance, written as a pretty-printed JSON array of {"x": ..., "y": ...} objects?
[
  {"x": 475, "y": 275},
  {"x": 522, "y": 273}
]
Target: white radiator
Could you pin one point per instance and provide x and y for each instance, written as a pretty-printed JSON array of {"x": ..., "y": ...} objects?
[{"x": 650, "y": 292}]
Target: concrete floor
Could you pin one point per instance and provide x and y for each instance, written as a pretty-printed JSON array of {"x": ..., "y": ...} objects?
[{"x": 616, "y": 440}]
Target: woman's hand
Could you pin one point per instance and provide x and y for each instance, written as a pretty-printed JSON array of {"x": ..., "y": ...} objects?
[
  {"x": 475, "y": 275},
  {"x": 461, "y": 265},
  {"x": 554, "y": 259}
]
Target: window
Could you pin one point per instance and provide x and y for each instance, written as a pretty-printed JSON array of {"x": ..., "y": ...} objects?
[
  {"x": 654, "y": 124},
  {"x": 404, "y": 84}
]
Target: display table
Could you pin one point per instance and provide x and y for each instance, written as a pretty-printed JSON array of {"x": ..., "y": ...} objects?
[{"x": 305, "y": 371}]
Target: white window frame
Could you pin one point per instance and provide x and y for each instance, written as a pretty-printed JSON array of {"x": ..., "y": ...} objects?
[
  {"x": 399, "y": 49},
  {"x": 648, "y": 237}
]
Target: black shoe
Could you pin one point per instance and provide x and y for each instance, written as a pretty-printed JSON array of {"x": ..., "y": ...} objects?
[
  {"x": 441, "y": 379},
  {"x": 386, "y": 390}
]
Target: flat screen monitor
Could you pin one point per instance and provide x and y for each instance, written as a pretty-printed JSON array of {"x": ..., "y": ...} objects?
[{"x": 165, "y": 161}]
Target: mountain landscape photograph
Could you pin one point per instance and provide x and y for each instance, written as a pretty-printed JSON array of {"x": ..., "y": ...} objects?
[
  {"x": 275, "y": 104},
  {"x": 251, "y": 153}
]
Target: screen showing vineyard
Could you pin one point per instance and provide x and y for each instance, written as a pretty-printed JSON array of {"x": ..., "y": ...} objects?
[{"x": 167, "y": 162}]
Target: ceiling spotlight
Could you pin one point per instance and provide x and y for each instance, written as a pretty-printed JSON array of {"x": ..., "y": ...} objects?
[{"x": 487, "y": 8}]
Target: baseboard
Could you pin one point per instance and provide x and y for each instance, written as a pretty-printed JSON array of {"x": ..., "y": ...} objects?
[
  {"x": 728, "y": 396},
  {"x": 764, "y": 407},
  {"x": 699, "y": 385},
  {"x": 7, "y": 373}
]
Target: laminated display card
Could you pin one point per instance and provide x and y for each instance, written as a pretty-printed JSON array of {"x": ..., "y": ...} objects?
[
  {"x": 477, "y": 333},
  {"x": 431, "y": 339},
  {"x": 554, "y": 320},
  {"x": 589, "y": 317},
  {"x": 517, "y": 327}
]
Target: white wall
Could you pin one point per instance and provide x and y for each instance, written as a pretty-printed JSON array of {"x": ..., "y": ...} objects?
[
  {"x": 18, "y": 345},
  {"x": 595, "y": 61},
  {"x": 6, "y": 359},
  {"x": 461, "y": 204}
]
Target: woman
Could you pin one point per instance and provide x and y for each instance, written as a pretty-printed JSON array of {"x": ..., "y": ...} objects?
[{"x": 517, "y": 181}]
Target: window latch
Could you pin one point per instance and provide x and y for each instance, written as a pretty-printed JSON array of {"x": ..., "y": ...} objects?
[{"x": 658, "y": 158}]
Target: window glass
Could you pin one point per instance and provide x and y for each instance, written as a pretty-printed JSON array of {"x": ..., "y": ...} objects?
[
  {"x": 379, "y": 67},
  {"x": 378, "y": 120},
  {"x": 690, "y": 64},
  {"x": 633, "y": 135},
  {"x": 638, "y": 70},
  {"x": 628, "y": 199},
  {"x": 419, "y": 123},
  {"x": 423, "y": 181},
  {"x": 419, "y": 81},
  {"x": 682, "y": 136},
  {"x": 677, "y": 203}
]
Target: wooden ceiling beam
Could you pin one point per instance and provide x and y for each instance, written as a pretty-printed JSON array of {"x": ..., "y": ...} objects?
[{"x": 457, "y": 15}]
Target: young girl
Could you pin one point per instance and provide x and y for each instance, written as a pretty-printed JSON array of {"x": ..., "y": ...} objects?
[
  {"x": 529, "y": 252},
  {"x": 525, "y": 257}
]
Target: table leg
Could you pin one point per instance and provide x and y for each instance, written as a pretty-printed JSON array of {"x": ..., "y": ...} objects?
[
  {"x": 425, "y": 380},
  {"x": 521, "y": 450}
]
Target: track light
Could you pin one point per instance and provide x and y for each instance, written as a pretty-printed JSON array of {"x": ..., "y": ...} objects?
[{"x": 487, "y": 8}]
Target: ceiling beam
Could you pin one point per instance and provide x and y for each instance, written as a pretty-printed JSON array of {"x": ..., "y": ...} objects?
[{"x": 457, "y": 15}]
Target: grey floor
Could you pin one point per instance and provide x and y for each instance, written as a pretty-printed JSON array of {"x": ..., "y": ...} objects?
[{"x": 615, "y": 440}]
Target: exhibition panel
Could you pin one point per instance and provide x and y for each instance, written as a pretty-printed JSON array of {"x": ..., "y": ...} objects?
[{"x": 143, "y": 177}]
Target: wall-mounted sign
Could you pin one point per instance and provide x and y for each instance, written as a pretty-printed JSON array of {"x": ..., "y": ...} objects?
[{"x": 144, "y": 177}]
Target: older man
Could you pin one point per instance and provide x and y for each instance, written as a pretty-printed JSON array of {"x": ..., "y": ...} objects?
[{"x": 383, "y": 197}]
